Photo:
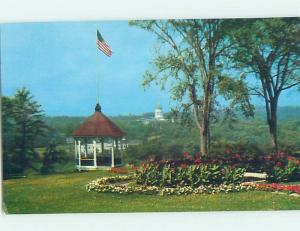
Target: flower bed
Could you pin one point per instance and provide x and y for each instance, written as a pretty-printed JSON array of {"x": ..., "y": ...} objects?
[
  {"x": 280, "y": 167},
  {"x": 279, "y": 187},
  {"x": 113, "y": 179},
  {"x": 105, "y": 184},
  {"x": 168, "y": 175}
]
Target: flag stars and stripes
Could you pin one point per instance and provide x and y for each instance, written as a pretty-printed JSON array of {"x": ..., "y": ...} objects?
[{"x": 102, "y": 45}]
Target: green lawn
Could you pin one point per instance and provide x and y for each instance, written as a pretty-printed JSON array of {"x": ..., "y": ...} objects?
[{"x": 66, "y": 193}]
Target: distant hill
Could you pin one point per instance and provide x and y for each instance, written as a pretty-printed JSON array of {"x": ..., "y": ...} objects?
[
  {"x": 255, "y": 130},
  {"x": 284, "y": 113}
]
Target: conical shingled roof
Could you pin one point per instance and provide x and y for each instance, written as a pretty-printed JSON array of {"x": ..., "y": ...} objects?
[{"x": 98, "y": 125}]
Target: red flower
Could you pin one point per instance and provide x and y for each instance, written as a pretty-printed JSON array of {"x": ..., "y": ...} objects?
[
  {"x": 186, "y": 155},
  {"x": 183, "y": 165},
  {"x": 293, "y": 160},
  {"x": 198, "y": 161},
  {"x": 238, "y": 156},
  {"x": 290, "y": 158},
  {"x": 278, "y": 164},
  {"x": 275, "y": 187}
]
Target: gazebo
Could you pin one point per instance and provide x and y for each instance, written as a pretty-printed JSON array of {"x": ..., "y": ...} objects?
[{"x": 98, "y": 143}]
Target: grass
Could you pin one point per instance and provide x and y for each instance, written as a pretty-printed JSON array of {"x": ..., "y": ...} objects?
[{"x": 65, "y": 193}]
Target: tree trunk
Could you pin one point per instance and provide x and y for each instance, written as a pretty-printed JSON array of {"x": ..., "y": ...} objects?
[
  {"x": 205, "y": 124},
  {"x": 272, "y": 122},
  {"x": 23, "y": 153},
  {"x": 201, "y": 124},
  {"x": 204, "y": 142},
  {"x": 271, "y": 109}
]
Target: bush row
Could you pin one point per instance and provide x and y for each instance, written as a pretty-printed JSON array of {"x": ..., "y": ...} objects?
[
  {"x": 166, "y": 175},
  {"x": 279, "y": 166}
]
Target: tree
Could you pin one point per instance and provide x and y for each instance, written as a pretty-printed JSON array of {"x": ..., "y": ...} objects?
[
  {"x": 51, "y": 157},
  {"x": 23, "y": 120},
  {"x": 190, "y": 64},
  {"x": 8, "y": 136},
  {"x": 268, "y": 49}
]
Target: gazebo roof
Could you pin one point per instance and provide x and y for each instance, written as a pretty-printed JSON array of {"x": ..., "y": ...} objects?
[{"x": 98, "y": 125}]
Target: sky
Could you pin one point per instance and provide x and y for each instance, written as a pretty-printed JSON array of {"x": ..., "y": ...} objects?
[{"x": 59, "y": 63}]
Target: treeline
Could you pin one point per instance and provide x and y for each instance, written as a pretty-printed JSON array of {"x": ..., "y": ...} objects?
[
  {"x": 166, "y": 139},
  {"x": 250, "y": 130}
]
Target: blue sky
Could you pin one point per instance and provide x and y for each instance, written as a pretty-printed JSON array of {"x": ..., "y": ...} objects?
[{"x": 59, "y": 63}]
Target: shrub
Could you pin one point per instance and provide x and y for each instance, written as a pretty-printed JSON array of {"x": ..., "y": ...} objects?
[
  {"x": 285, "y": 173},
  {"x": 52, "y": 157},
  {"x": 169, "y": 175},
  {"x": 275, "y": 164}
]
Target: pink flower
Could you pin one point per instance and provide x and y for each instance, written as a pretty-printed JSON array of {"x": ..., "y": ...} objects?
[
  {"x": 238, "y": 156},
  {"x": 184, "y": 166}
]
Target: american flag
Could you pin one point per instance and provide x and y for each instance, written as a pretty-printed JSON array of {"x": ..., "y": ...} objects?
[{"x": 102, "y": 46}]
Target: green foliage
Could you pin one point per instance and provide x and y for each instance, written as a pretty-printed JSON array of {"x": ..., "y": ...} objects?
[
  {"x": 267, "y": 52},
  {"x": 190, "y": 67},
  {"x": 236, "y": 92},
  {"x": 51, "y": 158},
  {"x": 194, "y": 175},
  {"x": 284, "y": 174},
  {"x": 233, "y": 175},
  {"x": 22, "y": 125}
]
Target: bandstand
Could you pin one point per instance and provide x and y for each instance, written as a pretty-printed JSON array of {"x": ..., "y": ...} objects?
[{"x": 98, "y": 143}]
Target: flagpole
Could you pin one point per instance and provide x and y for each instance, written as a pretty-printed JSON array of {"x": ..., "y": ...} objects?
[
  {"x": 102, "y": 46},
  {"x": 98, "y": 84},
  {"x": 98, "y": 87}
]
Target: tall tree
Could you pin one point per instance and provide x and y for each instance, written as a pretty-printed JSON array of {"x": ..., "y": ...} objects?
[
  {"x": 268, "y": 49},
  {"x": 189, "y": 61},
  {"x": 24, "y": 121}
]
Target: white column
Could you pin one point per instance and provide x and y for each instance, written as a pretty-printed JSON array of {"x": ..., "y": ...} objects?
[
  {"x": 86, "y": 148},
  {"x": 112, "y": 157},
  {"x": 101, "y": 146},
  {"x": 79, "y": 153},
  {"x": 75, "y": 152},
  {"x": 95, "y": 156}
]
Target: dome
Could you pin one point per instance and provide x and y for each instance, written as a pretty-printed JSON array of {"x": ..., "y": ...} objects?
[{"x": 98, "y": 125}]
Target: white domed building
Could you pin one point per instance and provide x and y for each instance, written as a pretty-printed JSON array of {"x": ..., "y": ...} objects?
[{"x": 158, "y": 113}]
